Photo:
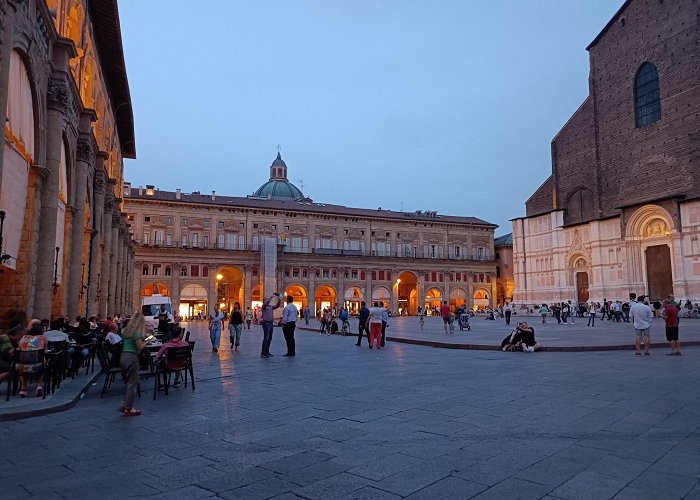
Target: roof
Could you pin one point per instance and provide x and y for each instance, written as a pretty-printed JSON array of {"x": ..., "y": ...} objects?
[
  {"x": 505, "y": 240},
  {"x": 108, "y": 39},
  {"x": 279, "y": 162},
  {"x": 279, "y": 189},
  {"x": 298, "y": 205},
  {"x": 610, "y": 23}
]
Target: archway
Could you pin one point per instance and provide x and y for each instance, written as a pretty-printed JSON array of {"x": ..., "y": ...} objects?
[
  {"x": 256, "y": 297},
  {"x": 659, "y": 271},
  {"x": 155, "y": 288},
  {"x": 299, "y": 294},
  {"x": 481, "y": 299},
  {"x": 229, "y": 287},
  {"x": 407, "y": 292},
  {"x": 353, "y": 299},
  {"x": 433, "y": 301},
  {"x": 325, "y": 298},
  {"x": 581, "y": 279},
  {"x": 382, "y": 294},
  {"x": 193, "y": 301},
  {"x": 458, "y": 298}
]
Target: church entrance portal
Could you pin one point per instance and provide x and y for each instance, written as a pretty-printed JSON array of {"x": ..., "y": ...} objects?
[
  {"x": 659, "y": 276},
  {"x": 582, "y": 286}
]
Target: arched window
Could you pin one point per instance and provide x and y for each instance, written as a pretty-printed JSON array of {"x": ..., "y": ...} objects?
[
  {"x": 647, "y": 98},
  {"x": 580, "y": 208}
]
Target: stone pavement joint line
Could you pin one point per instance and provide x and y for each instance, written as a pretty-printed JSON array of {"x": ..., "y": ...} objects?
[{"x": 343, "y": 422}]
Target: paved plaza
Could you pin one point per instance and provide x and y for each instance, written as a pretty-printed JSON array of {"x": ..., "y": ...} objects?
[{"x": 340, "y": 421}]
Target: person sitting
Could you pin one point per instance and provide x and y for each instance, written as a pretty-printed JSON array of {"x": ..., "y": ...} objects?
[
  {"x": 112, "y": 336},
  {"x": 176, "y": 341},
  {"x": 522, "y": 338},
  {"x": 34, "y": 340},
  {"x": 8, "y": 343}
]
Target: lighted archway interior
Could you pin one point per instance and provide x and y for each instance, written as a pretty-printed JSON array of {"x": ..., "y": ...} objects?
[
  {"x": 325, "y": 297},
  {"x": 229, "y": 287},
  {"x": 155, "y": 289},
  {"x": 299, "y": 294}
]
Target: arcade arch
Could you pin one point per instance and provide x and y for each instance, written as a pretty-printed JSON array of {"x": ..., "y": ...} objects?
[
  {"x": 433, "y": 299},
  {"x": 458, "y": 298},
  {"x": 382, "y": 294},
  {"x": 229, "y": 287},
  {"x": 155, "y": 288},
  {"x": 353, "y": 299},
  {"x": 407, "y": 293},
  {"x": 481, "y": 299},
  {"x": 325, "y": 298},
  {"x": 299, "y": 293}
]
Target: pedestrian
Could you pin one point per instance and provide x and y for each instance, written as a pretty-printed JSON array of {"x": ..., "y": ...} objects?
[
  {"x": 216, "y": 319},
  {"x": 544, "y": 311},
  {"x": 129, "y": 361},
  {"x": 307, "y": 314},
  {"x": 573, "y": 309},
  {"x": 375, "y": 325},
  {"x": 421, "y": 318},
  {"x": 446, "y": 314},
  {"x": 267, "y": 323},
  {"x": 626, "y": 312},
  {"x": 248, "y": 317},
  {"x": 235, "y": 326},
  {"x": 592, "y": 311},
  {"x": 556, "y": 312},
  {"x": 508, "y": 310},
  {"x": 641, "y": 315},
  {"x": 385, "y": 321},
  {"x": 363, "y": 325},
  {"x": 605, "y": 309},
  {"x": 289, "y": 323},
  {"x": 670, "y": 315}
]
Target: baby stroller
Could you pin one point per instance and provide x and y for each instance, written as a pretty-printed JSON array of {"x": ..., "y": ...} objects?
[{"x": 464, "y": 322}]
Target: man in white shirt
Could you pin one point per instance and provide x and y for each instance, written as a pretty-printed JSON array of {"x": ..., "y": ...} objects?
[
  {"x": 507, "y": 311},
  {"x": 375, "y": 325},
  {"x": 641, "y": 315},
  {"x": 289, "y": 323}
]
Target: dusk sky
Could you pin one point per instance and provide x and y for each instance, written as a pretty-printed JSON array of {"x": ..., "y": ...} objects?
[{"x": 441, "y": 105}]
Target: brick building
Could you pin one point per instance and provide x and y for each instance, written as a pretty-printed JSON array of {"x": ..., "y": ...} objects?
[
  {"x": 505, "y": 282},
  {"x": 207, "y": 248},
  {"x": 65, "y": 248},
  {"x": 621, "y": 210}
]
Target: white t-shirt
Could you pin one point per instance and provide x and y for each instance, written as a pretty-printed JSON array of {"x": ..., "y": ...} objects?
[
  {"x": 642, "y": 315},
  {"x": 375, "y": 314}
]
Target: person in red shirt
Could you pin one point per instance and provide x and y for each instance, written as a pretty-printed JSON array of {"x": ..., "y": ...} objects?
[
  {"x": 446, "y": 314},
  {"x": 670, "y": 315}
]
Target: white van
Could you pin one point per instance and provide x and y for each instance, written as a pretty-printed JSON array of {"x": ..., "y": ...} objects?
[{"x": 150, "y": 306}]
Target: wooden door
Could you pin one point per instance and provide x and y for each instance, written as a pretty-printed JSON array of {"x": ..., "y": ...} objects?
[
  {"x": 582, "y": 286},
  {"x": 659, "y": 275}
]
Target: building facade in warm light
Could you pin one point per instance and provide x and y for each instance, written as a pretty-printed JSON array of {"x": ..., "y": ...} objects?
[
  {"x": 323, "y": 254},
  {"x": 505, "y": 282},
  {"x": 65, "y": 247},
  {"x": 621, "y": 211}
]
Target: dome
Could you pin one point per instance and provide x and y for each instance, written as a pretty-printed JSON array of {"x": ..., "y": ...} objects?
[{"x": 279, "y": 190}]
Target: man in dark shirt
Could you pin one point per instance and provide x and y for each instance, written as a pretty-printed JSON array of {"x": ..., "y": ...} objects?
[
  {"x": 364, "y": 316},
  {"x": 670, "y": 315}
]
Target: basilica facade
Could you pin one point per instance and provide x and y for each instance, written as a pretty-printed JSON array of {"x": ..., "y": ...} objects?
[
  {"x": 620, "y": 212},
  {"x": 64, "y": 244},
  {"x": 203, "y": 249}
]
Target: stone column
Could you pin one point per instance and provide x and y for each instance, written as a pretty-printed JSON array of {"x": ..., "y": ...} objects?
[
  {"x": 494, "y": 290},
  {"x": 470, "y": 290},
  {"x": 58, "y": 101},
  {"x": 84, "y": 159},
  {"x": 93, "y": 306},
  {"x": 175, "y": 289},
  {"x": 312, "y": 291},
  {"x": 119, "y": 287},
  {"x": 212, "y": 298},
  {"x": 113, "y": 263},
  {"x": 7, "y": 17},
  {"x": 448, "y": 286},
  {"x": 135, "y": 285},
  {"x": 247, "y": 286},
  {"x": 340, "y": 297},
  {"x": 420, "y": 290},
  {"x": 103, "y": 282}
]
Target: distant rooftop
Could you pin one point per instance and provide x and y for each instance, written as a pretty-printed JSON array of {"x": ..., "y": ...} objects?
[{"x": 502, "y": 241}]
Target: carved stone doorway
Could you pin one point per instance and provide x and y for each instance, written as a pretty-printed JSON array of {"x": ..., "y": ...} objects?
[
  {"x": 582, "y": 286},
  {"x": 659, "y": 275}
]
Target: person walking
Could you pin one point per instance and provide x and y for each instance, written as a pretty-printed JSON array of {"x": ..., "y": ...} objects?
[
  {"x": 641, "y": 315},
  {"x": 235, "y": 326},
  {"x": 446, "y": 314},
  {"x": 507, "y": 311},
  {"x": 604, "y": 310},
  {"x": 592, "y": 311},
  {"x": 375, "y": 325},
  {"x": 363, "y": 325},
  {"x": 670, "y": 316},
  {"x": 248, "y": 317},
  {"x": 544, "y": 311},
  {"x": 129, "y": 361},
  {"x": 216, "y": 318},
  {"x": 385, "y": 321},
  {"x": 267, "y": 323},
  {"x": 307, "y": 314},
  {"x": 289, "y": 323},
  {"x": 573, "y": 308}
]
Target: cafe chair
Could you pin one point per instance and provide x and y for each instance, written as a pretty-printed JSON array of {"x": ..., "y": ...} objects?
[
  {"x": 176, "y": 360},
  {"x": 109, "y": 371}
]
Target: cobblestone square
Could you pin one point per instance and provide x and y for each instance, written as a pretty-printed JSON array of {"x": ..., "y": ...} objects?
[{"x": 340, "y": 421}]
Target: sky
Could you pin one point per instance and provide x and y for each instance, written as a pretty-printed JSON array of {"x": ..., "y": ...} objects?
[{"x": 406, "y": 105}]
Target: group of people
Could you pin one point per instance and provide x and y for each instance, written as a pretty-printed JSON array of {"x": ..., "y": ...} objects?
[{"x": 373, "y": 321}]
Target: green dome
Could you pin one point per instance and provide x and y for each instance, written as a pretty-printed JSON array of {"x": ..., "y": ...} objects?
[{"x": 279, "y": 190}]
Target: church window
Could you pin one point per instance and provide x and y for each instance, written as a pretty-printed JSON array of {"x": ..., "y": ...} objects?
[
  {"x": 580, "y": 207},
  {"x": 647, "y": 97}
]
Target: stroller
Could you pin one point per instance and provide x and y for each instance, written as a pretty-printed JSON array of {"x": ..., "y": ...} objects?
[{"x": 464, "y": 322}]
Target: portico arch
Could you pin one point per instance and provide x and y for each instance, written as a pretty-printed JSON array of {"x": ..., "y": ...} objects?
[
  {"x": 482, "y": 298},
  {"x": 155, "y": 288},
  {"x": 353, "y": 299},
  {"x": 458, "y": 298},
  {"x": 382, "y": 294},
  {"x": 433, "y": 298},
  {"x": 229, "y": 287},
  {"x": 407, "y": 293},
  {"x": 299, "y": 294},
  {"x": 325, "y": 298},
  {"x": 580, "y": 276}
]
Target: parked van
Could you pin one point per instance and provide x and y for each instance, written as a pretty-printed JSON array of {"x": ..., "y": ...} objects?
[{"x": 150, "y": 306}]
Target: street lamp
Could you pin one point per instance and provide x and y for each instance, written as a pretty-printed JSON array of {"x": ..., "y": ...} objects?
[{"x": 219, "y": 277}]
